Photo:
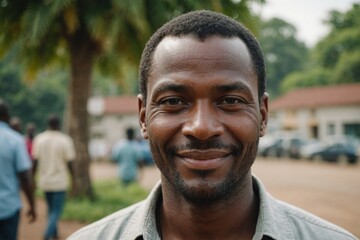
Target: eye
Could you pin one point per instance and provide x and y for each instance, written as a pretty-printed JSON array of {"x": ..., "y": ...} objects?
[
  {"x": 172, "y": 104},
  {"x": 172, "y": 101},
  {"x": 231, "y": 101}
]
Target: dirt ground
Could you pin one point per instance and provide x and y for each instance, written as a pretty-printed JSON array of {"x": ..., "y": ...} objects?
[{"x": 330, "y": 191}]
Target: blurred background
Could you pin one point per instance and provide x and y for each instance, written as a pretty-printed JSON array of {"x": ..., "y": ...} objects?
[{"x": 80, "y": 59}]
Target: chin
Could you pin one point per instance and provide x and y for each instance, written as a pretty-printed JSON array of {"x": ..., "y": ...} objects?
[{"x": 204, "y": 190}]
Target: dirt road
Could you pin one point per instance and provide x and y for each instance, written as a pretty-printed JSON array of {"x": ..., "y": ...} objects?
[{"x": 330, "y": 191}]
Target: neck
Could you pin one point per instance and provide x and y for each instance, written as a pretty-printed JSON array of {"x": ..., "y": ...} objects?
[{"x": 231, "y": 218}]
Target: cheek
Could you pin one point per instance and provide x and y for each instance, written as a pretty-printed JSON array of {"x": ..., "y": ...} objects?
[
  {"x": 244, "y": 128},
  {"x": 161, "y": 128}
]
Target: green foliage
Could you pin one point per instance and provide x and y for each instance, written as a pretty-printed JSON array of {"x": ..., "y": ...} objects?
[
  {"x": 314, "y": 77},
  {"x": 282, "y": 51},
  {"x": 41, "y": 31},
  {"x": 32, "y": 103},
  {"x": 336, "y": 58},
  {"x": 111, "y": 197}
]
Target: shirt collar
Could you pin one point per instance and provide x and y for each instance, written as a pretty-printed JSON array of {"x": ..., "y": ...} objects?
[
  {"x": 272, "y": 220},
  {"x": 270, "y": 217},
  {"x": 144, "y": 223}
]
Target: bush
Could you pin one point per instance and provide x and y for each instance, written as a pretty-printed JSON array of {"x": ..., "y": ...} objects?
[{"x": 111, "y": 196}]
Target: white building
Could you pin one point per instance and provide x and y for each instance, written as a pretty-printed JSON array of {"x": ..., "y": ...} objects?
[
  {"x": 110, "y": 116},
  {"x": 318, "y": 112}
]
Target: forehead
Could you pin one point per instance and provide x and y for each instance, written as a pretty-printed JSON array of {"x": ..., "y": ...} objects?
[{"x": 190, "y": 53}]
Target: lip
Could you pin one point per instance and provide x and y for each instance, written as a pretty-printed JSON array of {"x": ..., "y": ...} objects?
[{"x": 203, "y": 159}]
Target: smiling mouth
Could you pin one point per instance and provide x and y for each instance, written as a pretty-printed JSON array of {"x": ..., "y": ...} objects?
[{"x": 203, "y": 159}]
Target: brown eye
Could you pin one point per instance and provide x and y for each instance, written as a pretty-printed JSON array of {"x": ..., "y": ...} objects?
[
  {"x": 172, "y": 101},
  {"x": 231, "y": 100}
]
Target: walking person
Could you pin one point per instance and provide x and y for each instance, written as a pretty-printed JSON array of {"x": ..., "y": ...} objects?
[
  {"x": 53, "y": 153},
  {"x": 128, "y": 154},
  {"x": 15, "y": 171}
]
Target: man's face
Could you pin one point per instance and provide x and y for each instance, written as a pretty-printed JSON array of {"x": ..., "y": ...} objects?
[{"x": 202, "y": 115}]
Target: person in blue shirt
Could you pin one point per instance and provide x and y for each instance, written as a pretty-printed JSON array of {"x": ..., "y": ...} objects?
[
  {"x": 15, "y": 171},
  {"x": 128, "y": 154}
]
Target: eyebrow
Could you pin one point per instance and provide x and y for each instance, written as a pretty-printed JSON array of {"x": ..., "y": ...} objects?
[
  {"x": 179, "y": 88},
  {"x": 233, "y": 87}
]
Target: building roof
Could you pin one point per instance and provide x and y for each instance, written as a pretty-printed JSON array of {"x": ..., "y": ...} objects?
[
  {"x": 334, "y": 95},
  {"x": 120, "y": 105}
]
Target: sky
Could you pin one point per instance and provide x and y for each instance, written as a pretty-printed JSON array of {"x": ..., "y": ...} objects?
[{"x": 305, "y": 15}]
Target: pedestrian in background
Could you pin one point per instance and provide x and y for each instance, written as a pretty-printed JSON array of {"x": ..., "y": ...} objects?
[
  {"x": 53, "y": 153},
  {"x": 128, "y": 154},
  {"x": 15, "y": 171},
  {"x": 16, "y": 124}
]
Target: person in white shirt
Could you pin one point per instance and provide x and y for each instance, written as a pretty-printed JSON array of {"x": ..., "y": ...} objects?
[{"x": 53, "y": 153}]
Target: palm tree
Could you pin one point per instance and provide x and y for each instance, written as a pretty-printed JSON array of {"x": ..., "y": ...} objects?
[{"x": 107, "y": 34}]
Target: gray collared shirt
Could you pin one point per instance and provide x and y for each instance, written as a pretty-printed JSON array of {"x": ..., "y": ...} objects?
[{"x": 276, "y": 220}]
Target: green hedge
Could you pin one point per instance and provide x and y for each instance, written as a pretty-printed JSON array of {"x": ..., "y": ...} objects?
[{"x": 111, "y": 196}]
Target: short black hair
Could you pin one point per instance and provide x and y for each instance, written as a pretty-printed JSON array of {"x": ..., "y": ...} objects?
[
  {"x": 130, "y": 133},
  {"x": 4, "y": 111},
  {"x": 54, "y": 122},
  {"x": 202, "y": 24}
]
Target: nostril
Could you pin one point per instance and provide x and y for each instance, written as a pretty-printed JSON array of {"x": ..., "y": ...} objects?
[{"x": 203, "y": 130}]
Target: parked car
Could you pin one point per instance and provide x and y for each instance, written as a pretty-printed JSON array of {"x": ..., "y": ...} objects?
[
  {"x": 310, "y": 147},
  {"x": 280, "y": 145},
  {"x": 270, "y": 146},
  {"x": 336, "y": 152},
  {"x": 293, "y": 147}
]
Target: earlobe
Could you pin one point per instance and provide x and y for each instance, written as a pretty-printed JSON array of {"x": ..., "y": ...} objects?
[{"x": 142, "y": 116}]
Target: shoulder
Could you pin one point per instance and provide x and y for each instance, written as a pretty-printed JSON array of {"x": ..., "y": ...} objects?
[
  {"x": 308, "y": 226},
  {"x": 40, "y": 136},
  {"x": 284, "y": 221},
  {"x": 113, "y": 226},
  {"x": 13, "y": 138}
]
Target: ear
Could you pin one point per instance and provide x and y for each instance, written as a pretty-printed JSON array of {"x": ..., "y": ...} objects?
[
  {"x": 142, "y": 116},
  {"x": 264, "y": 113}
]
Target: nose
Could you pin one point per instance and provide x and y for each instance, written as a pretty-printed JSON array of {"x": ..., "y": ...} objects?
[{"x": 203, "y": 122}]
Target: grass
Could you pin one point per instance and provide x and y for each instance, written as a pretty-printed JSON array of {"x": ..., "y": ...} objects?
[{"x": 111, "y": 196}]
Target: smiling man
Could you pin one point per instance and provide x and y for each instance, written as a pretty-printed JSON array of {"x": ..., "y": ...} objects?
[{"x": 203, "y": 107}]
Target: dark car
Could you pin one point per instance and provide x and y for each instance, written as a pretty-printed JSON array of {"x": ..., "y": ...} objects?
[{"x": 337, "y": 152}]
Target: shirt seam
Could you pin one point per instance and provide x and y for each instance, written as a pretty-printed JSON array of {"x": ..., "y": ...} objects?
[{"x": 312, "y": 222}]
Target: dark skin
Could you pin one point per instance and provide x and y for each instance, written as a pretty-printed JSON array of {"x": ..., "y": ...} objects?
[
  {"x": 203, "y": 118},
  {"x": 27, "y": 185}
]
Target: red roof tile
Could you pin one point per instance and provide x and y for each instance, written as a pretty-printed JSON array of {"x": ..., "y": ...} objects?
[
  {"x": 120, "y": 105},
  {"x": 334, "y": 95}
]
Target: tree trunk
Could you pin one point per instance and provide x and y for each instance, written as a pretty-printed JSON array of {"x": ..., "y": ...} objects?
[{"x": 82, "y": 53}]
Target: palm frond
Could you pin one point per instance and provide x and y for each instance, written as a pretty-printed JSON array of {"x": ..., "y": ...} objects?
[{"x": 38, "y": 18}]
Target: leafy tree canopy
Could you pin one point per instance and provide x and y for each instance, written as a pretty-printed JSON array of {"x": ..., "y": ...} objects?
[
  {"x": 32, "y": 103},
  {"x": 283, "y": 52},
  {"x": 336, "y": 58}
]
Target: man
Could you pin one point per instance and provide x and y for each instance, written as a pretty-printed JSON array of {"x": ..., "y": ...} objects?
[
  {"x": 53, "y": 152},
  {"x": 203, "y": 107},
  {"x": 15, "y": 169},
  {"x": 128, "y": 155}
]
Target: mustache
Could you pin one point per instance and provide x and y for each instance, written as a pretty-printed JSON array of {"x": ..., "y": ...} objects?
[{"x": 205, "y": 145}]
